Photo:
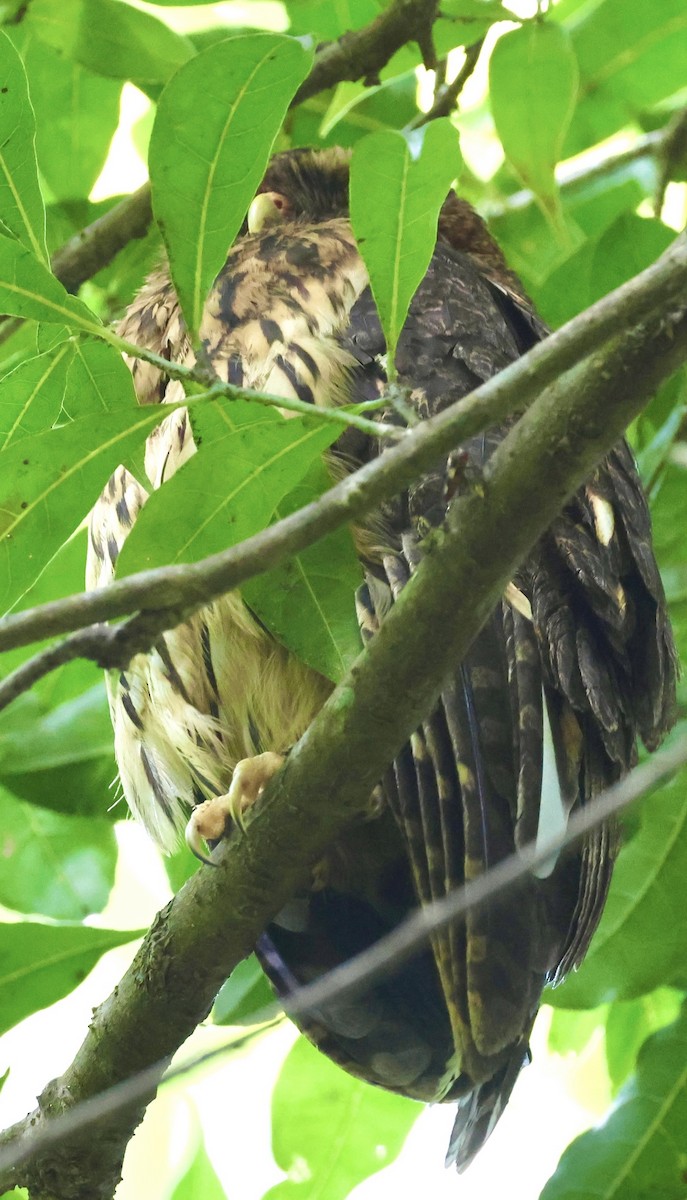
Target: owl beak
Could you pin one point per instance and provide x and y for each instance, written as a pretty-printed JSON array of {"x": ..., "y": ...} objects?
[{"x": 269, "y": 208}]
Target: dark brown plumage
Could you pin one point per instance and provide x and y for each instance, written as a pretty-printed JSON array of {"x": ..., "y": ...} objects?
[{"x": 575, "y": 663}]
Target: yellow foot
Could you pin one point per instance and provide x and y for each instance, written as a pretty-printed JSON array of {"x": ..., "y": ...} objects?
[{"x": 211, "y": 820}]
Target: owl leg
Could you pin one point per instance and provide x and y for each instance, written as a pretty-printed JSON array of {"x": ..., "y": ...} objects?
[{"x": 212, "y": 819}]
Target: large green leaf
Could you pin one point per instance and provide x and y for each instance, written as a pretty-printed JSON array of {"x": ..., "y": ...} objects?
[
  {"x": 329, "y": 1130},
  {"x": 78, "y": 377},
  {"x": 629, "y": 1024},
  {"x": 31, "y": 396},
  {"x": 21, "y": 203},
  {"x": 641, "y": 942},
  {"x": 48, "y": 482},
  {"x": 627, "y": 246},
  {"x": 631, "y": 56},
  {"x": 199, "y": 1181},
  {"x": 41, "y": 963},
  {"x": 308, "y": 602},
  {"x": 533, "y": 86},
  {"x": 640, "y": 1151},
  {"x": 110, "y": 38},
  {"x": 397, "y": 237},
  {"x": 204, "y": 173},
  {"x": 27, "y": 289},
  {"x": 245, "y": 993},
  {"x": 77, "y": 113},
  {"x": 56, "y": 750},
  {"x": 249, "y": 458},
  {"x": 58, "y": 866}
]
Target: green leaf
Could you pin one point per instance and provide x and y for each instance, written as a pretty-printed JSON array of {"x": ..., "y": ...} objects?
[
  {"x": 199, "y": 1181},
  {"x": 629, "y": 956},
  {"x": 629, "y": 245},
  {"x": 533, "y": 86},
  {"x": 631, "y": 56},
  {"x": 639, "y": 1152},
  {"x": 110, "y": 38},
  {"x": 204, "y": 173},
  {"x": 326, "y": 21},
  {"x": 27, "y": 289},
  {"x": 41, "y": 963},
  {"x": 49, "y": 481},
  {"x": 61, "y": 867},
  {"x": 308, "y": 602},
  {"x": 631, "y": 1023},
  {"x": 99, "y": 380},
  {"x": 21, "y": 203},
  {"x": 31, "y": 396},
  {"x": 397, "y": 237},
  {"x": 245, "y": 993},
  {"x": 571, "y": 1031},
  {"x": 357, "y": 110},
  {"x": 77, "y": 114},
  {"x": 314, "y": 1098},
  {"x": 56, "y": 750},
  {"x": 249, "y": 458}
]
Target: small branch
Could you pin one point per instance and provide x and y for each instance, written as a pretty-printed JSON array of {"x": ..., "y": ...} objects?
[
  {"x": 671, "y": 155},
  {"x": 354, "y": 976},
  {"x": 567, "y": 178},
  {"x": 361, "y": 53},
  {"x": 215, "y": 920},
  {"x": 172, "y": 591},
  {"x": 95, "y": 246},
  {"x": 447, "y": 96}
]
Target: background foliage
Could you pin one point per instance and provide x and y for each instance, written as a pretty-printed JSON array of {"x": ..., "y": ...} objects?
[{"x": 570, "y": 132}]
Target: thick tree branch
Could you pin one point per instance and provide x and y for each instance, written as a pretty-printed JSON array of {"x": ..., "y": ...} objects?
[
  {"x": 355, "y": 975},
  {"x": 214, "y": 921},
  {"x": 167, "y": 595}
]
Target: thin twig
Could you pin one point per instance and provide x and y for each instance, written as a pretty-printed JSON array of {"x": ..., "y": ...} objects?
[
  {"x": 175, "y": 590},
  {"x": 447, "y": 96},
  {"x": 357, "y": 974}
]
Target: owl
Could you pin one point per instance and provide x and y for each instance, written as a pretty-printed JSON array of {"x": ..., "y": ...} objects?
[{"x": 575, "y": 664}]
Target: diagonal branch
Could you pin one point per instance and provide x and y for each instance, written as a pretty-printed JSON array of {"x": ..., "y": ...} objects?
[
  {"x": 167, "y": 595},
  {"x": 192, "y": 945}
]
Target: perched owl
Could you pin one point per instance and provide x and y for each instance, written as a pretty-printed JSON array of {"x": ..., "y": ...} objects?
[{"x": 573, "y": 666}]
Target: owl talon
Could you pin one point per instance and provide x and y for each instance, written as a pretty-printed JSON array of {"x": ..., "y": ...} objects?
[{"x": 212, "y": 820}]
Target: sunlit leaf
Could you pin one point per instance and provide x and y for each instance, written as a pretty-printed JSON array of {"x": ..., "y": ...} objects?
[
  {"x": 49, "y": 481},
  {"x": 629, "y": 1024},
  {"x": 77, "y": 113},
  {"x": 204, "y": 173},
  {"x": 199, "y": 1181},
  {"x": 398, "y": 186},
  {"x": 631, "y": 56},
  {"x": 110, "y": 38},
  {"x": 639, "y": 1151},
  {"x": 41, "y": 963},
  {"x": 21, "y": 203},
  {"x": 313, "y": 1098},
  {"x": 627, "y": 958},
  {"x": 27, "y": 289},
  {"x": 243, "y": 996},
  {"x": 57, "y": 866},
  {"x": 532, "y": 86}
]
